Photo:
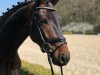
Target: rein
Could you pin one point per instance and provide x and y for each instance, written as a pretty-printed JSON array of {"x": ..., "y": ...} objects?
[{"x": 46, "y": 46}]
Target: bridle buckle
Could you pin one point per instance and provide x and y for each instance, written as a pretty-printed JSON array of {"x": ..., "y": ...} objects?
[{"x": 47, "y": 48}]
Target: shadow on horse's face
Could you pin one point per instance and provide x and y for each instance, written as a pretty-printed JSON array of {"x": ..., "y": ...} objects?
[{"x": 49, "y": 24}]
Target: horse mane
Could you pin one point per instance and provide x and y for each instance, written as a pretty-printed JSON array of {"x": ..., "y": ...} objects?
[{"x": 7, "y": 14}]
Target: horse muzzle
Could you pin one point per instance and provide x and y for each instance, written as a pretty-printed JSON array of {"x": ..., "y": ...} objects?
[
  {"x": 61, "y": 59},
  {"x": 64, "y": 59}
]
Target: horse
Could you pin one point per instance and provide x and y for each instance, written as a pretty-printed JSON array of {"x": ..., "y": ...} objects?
[{"x": 37, "y": 19}]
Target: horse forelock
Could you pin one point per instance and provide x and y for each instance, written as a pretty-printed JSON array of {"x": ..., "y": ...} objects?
[{"x": 7, "y": 14}]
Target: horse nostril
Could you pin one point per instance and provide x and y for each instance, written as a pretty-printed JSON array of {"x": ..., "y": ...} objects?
[{"x": 64, "y": 59}]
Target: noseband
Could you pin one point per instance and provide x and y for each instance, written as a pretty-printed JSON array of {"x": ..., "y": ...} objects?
[{"x": 46, "y": 47}]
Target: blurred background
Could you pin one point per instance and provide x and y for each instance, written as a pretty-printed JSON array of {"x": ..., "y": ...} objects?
[{"x": 80, "y": 16}]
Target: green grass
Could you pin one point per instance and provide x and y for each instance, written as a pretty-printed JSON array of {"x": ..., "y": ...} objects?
[{"x": 34, "y": 69}]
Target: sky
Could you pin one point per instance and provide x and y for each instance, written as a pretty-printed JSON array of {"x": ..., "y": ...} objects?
[{"x": 4, "y": 4}]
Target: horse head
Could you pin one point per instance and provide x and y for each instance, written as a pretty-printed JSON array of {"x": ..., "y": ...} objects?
[{"x": 47, "y": 34}]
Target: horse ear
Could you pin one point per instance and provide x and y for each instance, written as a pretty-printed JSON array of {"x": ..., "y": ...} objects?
[{"x": 54, "y": 2}]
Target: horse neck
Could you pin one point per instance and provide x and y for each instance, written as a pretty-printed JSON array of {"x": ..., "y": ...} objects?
[
  {"x": 7, "y": 14},
  {"x": 15, "y": 29}
]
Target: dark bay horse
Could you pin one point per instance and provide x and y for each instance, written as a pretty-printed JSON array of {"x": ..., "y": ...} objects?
[{"x": 38, "y": 20}]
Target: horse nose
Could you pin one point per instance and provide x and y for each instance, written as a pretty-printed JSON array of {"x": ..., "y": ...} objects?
[{"x": 64, "y": 59}]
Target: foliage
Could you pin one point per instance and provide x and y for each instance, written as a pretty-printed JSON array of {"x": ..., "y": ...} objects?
[
  {"x": 79, "y": 11},
  {"x": 78, "y": 28},
  {"x": 34, "y": 69},
  {"x": 97, "y": 28}
]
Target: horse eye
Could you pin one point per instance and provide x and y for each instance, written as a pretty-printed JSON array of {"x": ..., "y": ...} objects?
[{"x": 44, "y": 21}]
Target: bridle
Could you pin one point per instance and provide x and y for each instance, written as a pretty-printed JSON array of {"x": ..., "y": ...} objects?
[{"x": 46, "y": 47}]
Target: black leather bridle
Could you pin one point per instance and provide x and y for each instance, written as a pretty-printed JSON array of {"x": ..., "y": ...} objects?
[{"x": 46, "y": 44}]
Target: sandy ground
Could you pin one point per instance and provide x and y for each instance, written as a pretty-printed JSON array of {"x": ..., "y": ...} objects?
[{"x": 84, "y": 49}]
